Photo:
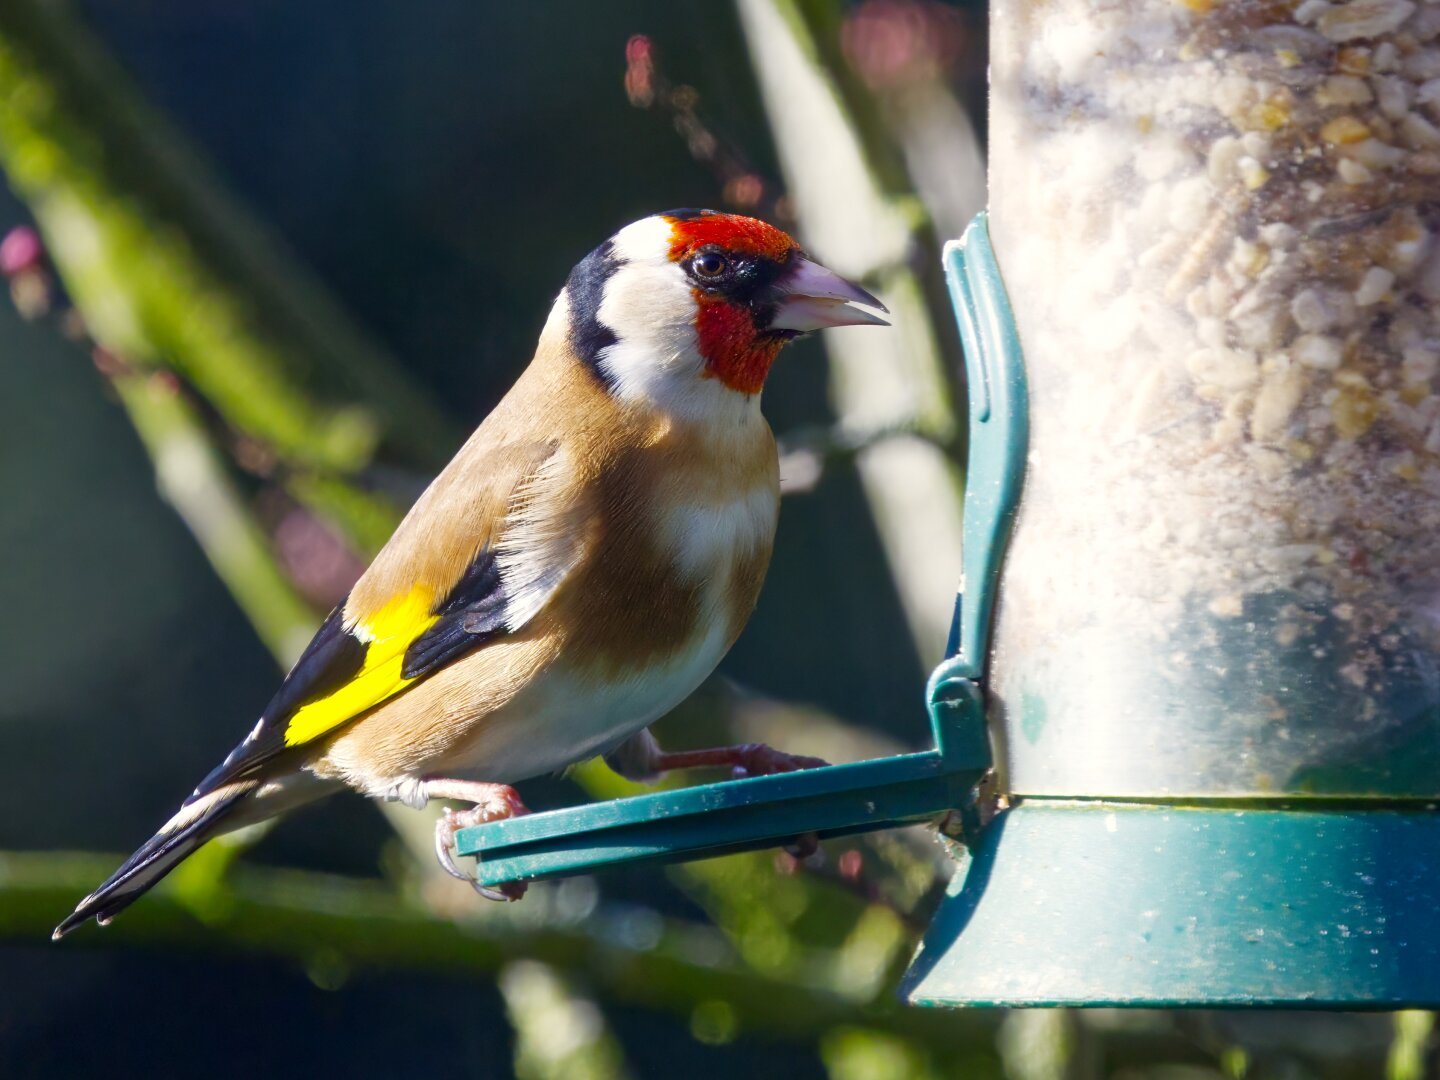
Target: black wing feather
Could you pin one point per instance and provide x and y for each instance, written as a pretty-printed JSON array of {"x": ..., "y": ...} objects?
[
  {"x": 333, "y": 657},
  {"x": 472, "y": 613}
]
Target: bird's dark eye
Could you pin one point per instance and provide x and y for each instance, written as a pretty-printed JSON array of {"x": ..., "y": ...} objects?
[{"x": 710, "y": 264}]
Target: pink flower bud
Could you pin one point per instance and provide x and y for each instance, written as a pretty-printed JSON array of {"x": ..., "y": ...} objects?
[{"x": 21, "y": 250}]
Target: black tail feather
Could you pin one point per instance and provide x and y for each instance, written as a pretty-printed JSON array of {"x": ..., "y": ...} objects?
[{"x": 192, "y": 826}]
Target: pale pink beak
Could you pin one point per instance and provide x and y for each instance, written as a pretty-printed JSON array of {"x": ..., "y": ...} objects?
[{"x": 814, "y": 298}]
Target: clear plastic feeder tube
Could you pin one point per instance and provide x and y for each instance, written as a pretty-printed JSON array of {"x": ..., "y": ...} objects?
[{"x": 1216, "y": 221}]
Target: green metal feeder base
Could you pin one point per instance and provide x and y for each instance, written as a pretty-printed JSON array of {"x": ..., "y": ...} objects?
[{"x": 1105, "y": 903}]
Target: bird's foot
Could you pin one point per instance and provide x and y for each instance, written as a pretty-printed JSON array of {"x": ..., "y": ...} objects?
[
  {"x": 803, "y": 846},
  {"x": 747, "y": 759},
  {"x": 492, "y": 802}
]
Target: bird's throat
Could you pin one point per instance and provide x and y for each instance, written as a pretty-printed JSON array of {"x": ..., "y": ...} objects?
[{"x": 735, "y": 352}]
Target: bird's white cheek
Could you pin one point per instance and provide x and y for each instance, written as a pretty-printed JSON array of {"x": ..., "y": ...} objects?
[
  {"x": 650, "y": 310},
  {"x": 655, "y": 360},
  {"x": 650, "y": 306}
]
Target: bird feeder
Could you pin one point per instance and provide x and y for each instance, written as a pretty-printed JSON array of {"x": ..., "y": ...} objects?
[
  {"x": 1215, "y": 678},
  {"x": 1208, "y": 659}
]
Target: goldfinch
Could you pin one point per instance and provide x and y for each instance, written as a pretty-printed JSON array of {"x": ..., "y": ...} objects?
[{"x": 574, "y": 573}]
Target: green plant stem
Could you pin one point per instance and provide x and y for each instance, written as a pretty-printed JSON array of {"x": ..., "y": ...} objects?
[
  {"x": 334, "y": 925},
  {"x": 350, "y": 923},
  {"x": 194, "y": 479},
  {"x": 1414, "y": 1033},
  {"x": 560, "y": 1033},
  {"x": 817, "y": 25},
  {"x": 880, "y": 379},
  {"x": 169, "y": 269}
]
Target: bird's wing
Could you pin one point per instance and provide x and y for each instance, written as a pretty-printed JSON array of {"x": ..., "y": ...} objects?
[{"x": 476, "y": 558}]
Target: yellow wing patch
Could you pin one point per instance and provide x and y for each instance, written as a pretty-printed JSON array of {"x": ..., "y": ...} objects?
[{"x": 386, "y": 634}]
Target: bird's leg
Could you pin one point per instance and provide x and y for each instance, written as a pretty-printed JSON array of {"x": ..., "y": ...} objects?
[
  {"x": 747, "y": 759},
  {"x": 641, "y": 758},
  {"x": 490, "y": 802}
]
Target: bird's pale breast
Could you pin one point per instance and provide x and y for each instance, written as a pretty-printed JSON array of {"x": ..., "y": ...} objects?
[{"x": 582, "y": 703}]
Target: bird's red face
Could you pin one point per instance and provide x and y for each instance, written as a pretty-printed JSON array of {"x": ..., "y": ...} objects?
[
  {"x": 697, "y": 295},
  {"x": 755, "y": 290},
  {"x": 725, "y": 256}
]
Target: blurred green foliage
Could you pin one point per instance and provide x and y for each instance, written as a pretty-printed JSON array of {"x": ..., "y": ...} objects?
[{"x": 441, "y": 171}]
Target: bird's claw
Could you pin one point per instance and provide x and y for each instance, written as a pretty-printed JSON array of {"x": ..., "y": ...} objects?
[
  {"x": 803, "y": 846},
  {"x": 760, "y": 759},
  {"x": 502, "y": 802},
  {"x": 510, "y": 890}
]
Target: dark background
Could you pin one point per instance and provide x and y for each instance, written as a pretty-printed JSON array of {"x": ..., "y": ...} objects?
[{"x": 441, "y": 168}]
